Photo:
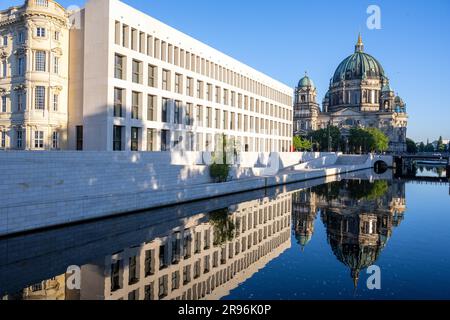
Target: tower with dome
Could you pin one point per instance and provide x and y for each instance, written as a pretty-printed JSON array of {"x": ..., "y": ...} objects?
[{"x": 359, "y": 95}]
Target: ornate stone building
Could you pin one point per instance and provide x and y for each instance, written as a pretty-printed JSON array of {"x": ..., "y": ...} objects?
[
  {"x": 34, "y": 76},
  {"x": 359, "y": 95}
]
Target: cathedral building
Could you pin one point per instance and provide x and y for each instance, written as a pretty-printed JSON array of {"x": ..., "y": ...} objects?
[{"x": 359, "y": 95}]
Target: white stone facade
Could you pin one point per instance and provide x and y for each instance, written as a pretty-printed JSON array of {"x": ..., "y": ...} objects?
[
  {"x": 124, "y": 81},
  {"x": 148, "y": 87},
  {"x": 34, "y": 55}
]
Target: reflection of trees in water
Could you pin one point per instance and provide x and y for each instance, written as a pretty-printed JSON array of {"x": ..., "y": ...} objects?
[
  {"x": 355, "y": 189},
  {"x": 223, "y": 226}
]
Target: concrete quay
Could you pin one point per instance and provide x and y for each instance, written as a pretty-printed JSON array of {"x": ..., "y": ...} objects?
[{"x": 52, "y": 189}]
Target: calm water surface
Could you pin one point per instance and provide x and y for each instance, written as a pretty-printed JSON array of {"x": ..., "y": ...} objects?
[{"x": 308, "y": 241}]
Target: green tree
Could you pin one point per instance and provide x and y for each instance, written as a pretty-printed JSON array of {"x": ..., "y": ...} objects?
[
  {"x": 301, "y": 144},
  {"x": 367, "y": 140},
  {"x": 320, "y": 138},
  {"x": 429, "y": 147},
  {"x": 224, "y": 228},
  {"x": 440, "y": 145},
  {"x": 379, "y": 142},
  {"x": 220, "y": 169},
  {"x": 411, "y": 146},
  {"x": 422, "y": 147}
]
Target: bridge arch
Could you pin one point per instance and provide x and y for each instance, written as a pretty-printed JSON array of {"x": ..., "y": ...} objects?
[{"x": 380, "y": 166}]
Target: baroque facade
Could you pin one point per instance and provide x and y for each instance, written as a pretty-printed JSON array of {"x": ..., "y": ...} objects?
[
  {"x": 34, "y": 53},
  {"x": 111, "y": 78},
  {"x": 359, "y": 95}
]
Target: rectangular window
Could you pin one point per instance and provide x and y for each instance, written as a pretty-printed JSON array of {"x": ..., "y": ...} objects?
[
  {"x": 151, "y": 137},
  {"x": 20, "y": 66},
  {"x": 152, "y": 73},
  {"x": 117, "y": 33},
  {"x": 151, "y": 108},
  {"x": 166, "y": 80},
  {"x": 135, "y": 105},
  {"x": 55, "y": 65},
  {"x": 115, "y": 276},
  {"x": 117, "y": 138},
  {"x": 217, "y": 94},
  {"x": 165, "y": 110},
  {"x": 4, "y": 106},
  {"x": 55, "y": 102},
  {"x": 190, "y": 87},
  {"x": 55, "y": 140},
  {"x": 217, "y": 118},
  {"x": 56, "y": 36},
  {"x": 209, "y": 117},
  {"x": 40, "y": 61},
  {"x": 19, "y": 139},
  {"x": 4, "y": 69},
  {"x": 189, "y": 114},
  {"x": 178, "y": 83},
  {"x": 79, "y": 137},
  {"x": 118, "y": 102},
  {"x": 3, "y": 137},
  {"x": 178, "y": 112},
  {"x": 5, "y": 41},
  {"x": 39, "y": 102},
  {"x": 209, "y": 92},
  {"x": 40, "y": 32},
  {"x": 134, "y": 139},
  {"x": 21, "y": 37},
  {"x": 199, "y": 118},
  {"x": 39, "y": 139},
  {"x": 165, "y": 140},
  {"x": 137, "y": 71},
  {"x": 119, "y": 62},
  {"x": 199, "y": 89}
]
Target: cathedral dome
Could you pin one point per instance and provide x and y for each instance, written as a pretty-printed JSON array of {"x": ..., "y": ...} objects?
[
  {"x": 358, "y": 66},
  {"x": 306, "y": 82}
]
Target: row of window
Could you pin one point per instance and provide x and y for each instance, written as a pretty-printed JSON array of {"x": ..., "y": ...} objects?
[
  {"x": 41, "y": 64},
  {"x": 40, "y": 32},
  {"x": 134, "y": 39},
  {"x": 167, "y": 140},
  {"x": 203, "y": 91},
  {"x": 184, "y": 114},
  {"x": 40, "y": 101},
  {"x": 17, "y": 140},
  {"x": 202, "y": 265}
]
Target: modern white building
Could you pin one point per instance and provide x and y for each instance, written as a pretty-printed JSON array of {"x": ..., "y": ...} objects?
[
  {"x": 34, "y": 56},
  {"x": 138, "y": 84},
  {"x": 109, "y": 77}
]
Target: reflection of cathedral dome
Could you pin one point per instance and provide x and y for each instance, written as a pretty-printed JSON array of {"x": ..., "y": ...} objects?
[
  {"x": 303, "y": 239},
  {"x": 355, "y": 256},
  {"x": 306, "y": 82},
  {"x": 359, "y": 66}
]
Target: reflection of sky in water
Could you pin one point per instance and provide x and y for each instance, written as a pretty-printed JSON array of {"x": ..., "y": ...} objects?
[{"x": 415, "y": 262}]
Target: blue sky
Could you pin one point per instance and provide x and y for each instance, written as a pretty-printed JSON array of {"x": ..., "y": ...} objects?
[{"x": 283, "y": 38}]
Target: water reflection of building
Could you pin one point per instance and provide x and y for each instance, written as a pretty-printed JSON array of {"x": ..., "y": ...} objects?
[
  {"x": 359, "y": 217},
  {"x": 304, "y": 214},
  {"x": 52, "y": 289},
  {"x": 205, "y": 257}
]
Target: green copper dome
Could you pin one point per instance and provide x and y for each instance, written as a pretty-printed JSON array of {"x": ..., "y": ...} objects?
[
  {"x": 306, "y": 82},
  {"x": 358, "y": 66}
]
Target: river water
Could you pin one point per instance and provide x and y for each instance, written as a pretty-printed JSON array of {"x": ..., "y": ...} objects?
[{"x": 312, "y": 240}]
